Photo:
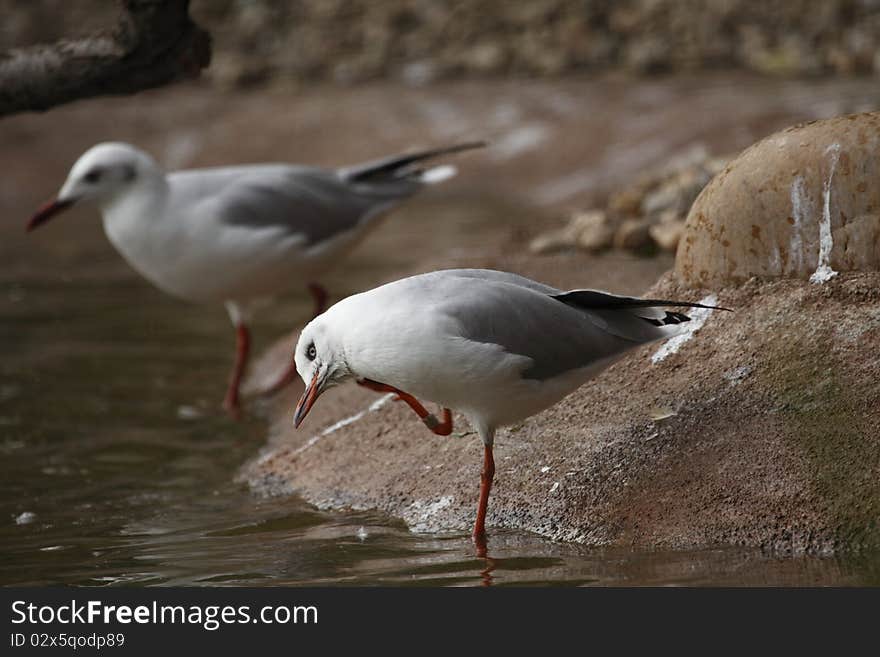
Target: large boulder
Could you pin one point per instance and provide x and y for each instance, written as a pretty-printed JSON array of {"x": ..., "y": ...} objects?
[{"x": 804, "y": 202}]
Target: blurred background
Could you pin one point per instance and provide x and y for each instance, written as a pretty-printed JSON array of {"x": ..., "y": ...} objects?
[
  {"x": 116, "y": 465},
  {"x": 421, "y": 41}
]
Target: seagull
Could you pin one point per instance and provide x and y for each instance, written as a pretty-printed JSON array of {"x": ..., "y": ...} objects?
[
  {"x": 494, "y": 346},
  {"x": 236, "y": 234}
]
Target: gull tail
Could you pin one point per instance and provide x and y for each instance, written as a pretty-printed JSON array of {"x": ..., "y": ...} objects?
[
  {"x": 436, "y": 175},
  {"x": 407, "y": 167},
  {"x": 631, "y": 318}
]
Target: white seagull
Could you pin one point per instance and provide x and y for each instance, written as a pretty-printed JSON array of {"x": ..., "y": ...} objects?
[
  {"x": 494, "y": 346},
  {"x": 239, "y": 234}
]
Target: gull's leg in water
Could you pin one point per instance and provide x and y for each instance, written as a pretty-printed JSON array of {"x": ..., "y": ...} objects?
[
  {"x": 486, "y": 477},
  {"x": 231, "y": 401},
  {"x": 443, "y": 428}
]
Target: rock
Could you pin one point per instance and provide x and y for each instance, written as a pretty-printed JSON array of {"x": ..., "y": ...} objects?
[
  {"x": 552, "y": 241},
  {"x": 633, "y": 234},
  {"x": 485, "y": 57},
  {"x": 594, "y": 231},
  {"x": 803, "y": 202},
  {"x": 419, "y": 73},
  {"x": 668, "y": 231},
  {"x": 648, "y": 55},
  {"x": 627, "y": 202},
  {"x": 771, "y": 441},
  {"x": 589, "y": 230},
  {"x": 667, "y": 196},
  {"x": 635, "y": 211},
  {"x": 230, "y": 71}
]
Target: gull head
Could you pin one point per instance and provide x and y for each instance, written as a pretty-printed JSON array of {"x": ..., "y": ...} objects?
[
  {"x": 101, "y": 174},
  {"x": 320, "y": 361}
]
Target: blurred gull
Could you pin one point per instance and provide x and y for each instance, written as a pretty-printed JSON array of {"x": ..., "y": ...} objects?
[
  {"x": 239, "y": 234},
  {"x": 497, "y": 347}
]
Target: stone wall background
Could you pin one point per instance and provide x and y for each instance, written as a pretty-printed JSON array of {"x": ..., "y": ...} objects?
[{"x": 419, "y": 41}]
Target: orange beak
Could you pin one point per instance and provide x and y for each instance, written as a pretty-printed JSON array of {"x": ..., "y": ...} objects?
[
  {"x": 307, "y": 400},
  {"x": 46, "y": 212}
]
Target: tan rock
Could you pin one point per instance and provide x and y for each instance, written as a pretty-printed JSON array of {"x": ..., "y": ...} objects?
[
  {"x": 668, "y": 231},
  {"x": 803, "y": 202},
  {"x": 589, "y": 230},
  {"x": 627, "y": 201},
  {"x": 593, "y": 230},
  {"x": 666, "y": 196},
  {"x": 632, "y": 234},
  {"x": 552, "y": 241}
]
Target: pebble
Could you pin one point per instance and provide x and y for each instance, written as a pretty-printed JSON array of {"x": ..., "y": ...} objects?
[
  {"x": 647, "y": 210},
  {"x": 25, "y": 518}
]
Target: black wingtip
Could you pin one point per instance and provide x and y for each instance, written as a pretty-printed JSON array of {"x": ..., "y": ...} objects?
[
  {"x": 680, "y": 304},
  {"x": 404, "y": 163},
  {"x": 595, "y": 299},
  {"x": 671, "y": 319},
  {"x": 467, "y": 146}
]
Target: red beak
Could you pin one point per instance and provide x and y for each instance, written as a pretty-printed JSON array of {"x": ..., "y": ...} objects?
[
  {"x": 46, "y": 212},
  {"x": 305, "y": 403}
]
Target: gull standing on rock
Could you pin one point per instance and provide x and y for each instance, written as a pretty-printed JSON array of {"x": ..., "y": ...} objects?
[
  {"x": 239, "y": 234},
  {"x": 494, "y": 346}
]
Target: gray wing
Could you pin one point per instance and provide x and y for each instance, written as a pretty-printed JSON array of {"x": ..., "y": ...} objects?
[
  {"x": 309, "y": 201},
  {"x": 558, "y": 331},
  {"x": 556, "y": 337},
  {"x": 302, "y": 200}
]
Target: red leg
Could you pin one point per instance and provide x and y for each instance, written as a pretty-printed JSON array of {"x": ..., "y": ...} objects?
[
  {"x": 319, "y": 294},
  {"x": 443, "y": 428},
  {"x": 242, "y": 347},
  {"x": 486, "y": 477},
  {"x": 285, "y": 379}
]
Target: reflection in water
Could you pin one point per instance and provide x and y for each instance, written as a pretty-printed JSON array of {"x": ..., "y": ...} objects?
[{"x": 486, "y": 573}]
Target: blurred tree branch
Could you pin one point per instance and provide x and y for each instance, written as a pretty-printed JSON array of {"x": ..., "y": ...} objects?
[{"x": 154, "y": 43}]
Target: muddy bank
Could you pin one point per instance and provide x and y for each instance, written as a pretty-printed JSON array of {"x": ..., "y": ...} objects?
[{"x": 762, "y": 430}]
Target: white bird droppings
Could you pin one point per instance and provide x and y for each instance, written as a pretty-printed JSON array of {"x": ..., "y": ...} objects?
[
  {"x": 823, "y": 271},
  {"x": 344, "y": 422},
  {"x": 800, "y": 209},
  {"x": 698, "y": 318}
]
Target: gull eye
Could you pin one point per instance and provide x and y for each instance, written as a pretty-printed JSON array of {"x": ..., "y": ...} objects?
[
  {"x": 93, "y": 176},
  {"x": 311, "y": 352}
]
